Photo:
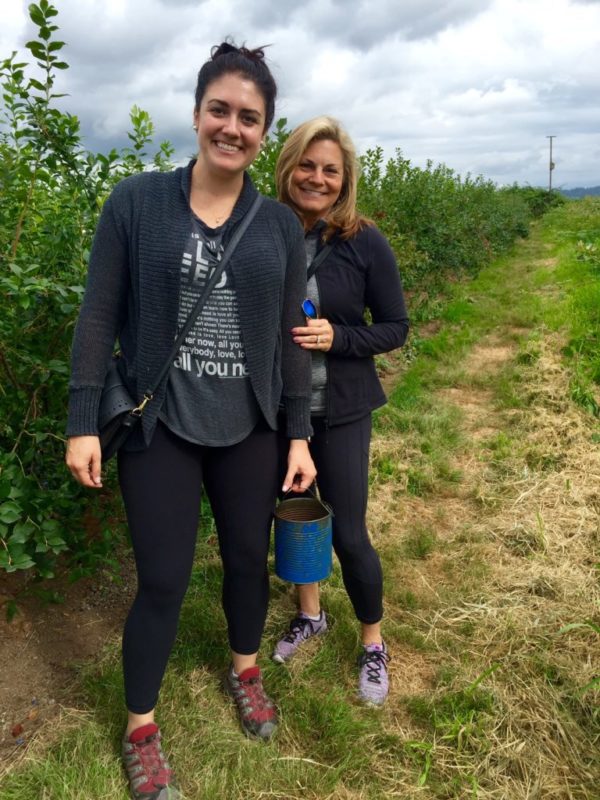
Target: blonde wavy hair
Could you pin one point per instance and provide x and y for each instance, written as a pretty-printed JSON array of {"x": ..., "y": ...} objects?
[{"x": 343, "y": 218}]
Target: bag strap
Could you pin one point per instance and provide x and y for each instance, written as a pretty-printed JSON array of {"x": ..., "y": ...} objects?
[
  {"x": 211, "y": 283},
  {"x": 318, "y": 260}
]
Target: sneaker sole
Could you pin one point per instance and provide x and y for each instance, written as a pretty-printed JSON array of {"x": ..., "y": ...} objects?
[
  {"x": 371, "y": 704},
  {"x": 368, "y": 703}
]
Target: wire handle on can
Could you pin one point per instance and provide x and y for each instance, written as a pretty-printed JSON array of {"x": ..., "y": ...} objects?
[{"x": 315, "y": 494}]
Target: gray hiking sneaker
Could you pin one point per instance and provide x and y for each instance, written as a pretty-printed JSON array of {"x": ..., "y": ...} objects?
[
  {"x": 301, "y": 628},
  {"x": 373, "y": 683},
  {"x": 257, "y": 712},
  {"x": 150, "y": 777}
]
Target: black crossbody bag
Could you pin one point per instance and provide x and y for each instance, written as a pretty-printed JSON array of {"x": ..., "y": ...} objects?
[{"x": 118, "y": 413}]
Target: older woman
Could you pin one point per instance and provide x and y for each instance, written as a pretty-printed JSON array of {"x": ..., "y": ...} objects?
[
  {"x": 316, "y": 176},
  {"x": 212, "y": 420}
]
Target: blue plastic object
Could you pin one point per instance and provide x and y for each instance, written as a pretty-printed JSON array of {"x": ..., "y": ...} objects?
[
  {"x": 303, "y": 540},
  {"x": 309, "y": 309}
]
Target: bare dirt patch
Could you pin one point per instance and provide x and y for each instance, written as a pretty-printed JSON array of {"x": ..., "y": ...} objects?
[
  {"x": 46, "y": 641},
  {"x": 488, "y": 357},
  {"x": 475, "y": 405},
  {"x": 547, "y": 263}
]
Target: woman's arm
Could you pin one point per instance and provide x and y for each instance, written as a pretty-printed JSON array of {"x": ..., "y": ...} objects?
[
  {"x": 100, "y": 319},
  {"x": 295, "y": 363},
  {"x": 296, "y": 369},
  {"x": 301, "y": 470},
  {"x": 385, "y": 299},
  {"x": 84, "y": 460}
]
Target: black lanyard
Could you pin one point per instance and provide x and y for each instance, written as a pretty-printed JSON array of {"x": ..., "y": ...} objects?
[{"x": 318, "y": 260}]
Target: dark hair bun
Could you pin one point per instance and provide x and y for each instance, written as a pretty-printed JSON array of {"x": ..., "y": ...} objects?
[{"x": 257, "y": 54}]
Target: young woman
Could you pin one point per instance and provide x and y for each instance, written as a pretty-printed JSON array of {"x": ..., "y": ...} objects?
[
  {"x": 317, "y": 176},
  {"x": 212, "y": 421}
]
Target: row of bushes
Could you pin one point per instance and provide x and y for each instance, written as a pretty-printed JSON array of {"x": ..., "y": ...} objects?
[
  {"x": 52, "y": 191},
  {"x": 577, "y": 228},
  {"x": 439, "y": 222}
]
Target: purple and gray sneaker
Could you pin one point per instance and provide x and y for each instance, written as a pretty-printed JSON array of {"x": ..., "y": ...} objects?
[
  {"x": 373, "y": 683},
  {"x": 301, "y": 628}
]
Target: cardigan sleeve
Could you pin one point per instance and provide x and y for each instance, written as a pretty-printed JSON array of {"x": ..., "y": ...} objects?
[
  {"x": 100, "y": 318},
  {"x": 383, "y": 297},
  {"x": 295, "y": 362}
]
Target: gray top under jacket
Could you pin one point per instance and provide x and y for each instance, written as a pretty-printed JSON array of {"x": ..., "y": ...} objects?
[
  {"x": 318, "y": 403},
  {"x": 132, "y": 295}
]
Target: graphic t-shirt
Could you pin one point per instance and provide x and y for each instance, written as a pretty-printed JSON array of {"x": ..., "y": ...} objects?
[{"x": 209, "y": 397}]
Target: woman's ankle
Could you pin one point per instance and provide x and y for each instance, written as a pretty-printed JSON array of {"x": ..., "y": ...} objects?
[{"x": 135, "y": 721}]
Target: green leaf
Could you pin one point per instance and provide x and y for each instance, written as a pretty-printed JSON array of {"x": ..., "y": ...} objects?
[
  {"x": 36, "y": 15},
  {"x": 22, "y": 532},
  {"x": 22, "y": 561},
  {"x": 10, "y": 512},
  {"x": 578, "y": 625},
  {"x": 37, "y": 49},
  {"x": 37, "y": 85}
]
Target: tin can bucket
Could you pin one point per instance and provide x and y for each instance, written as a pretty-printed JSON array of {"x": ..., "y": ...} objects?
[{"x": 303, "y": 539}]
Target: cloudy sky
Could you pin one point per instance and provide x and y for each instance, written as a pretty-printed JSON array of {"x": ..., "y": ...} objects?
[{"x": 475, "y": 84}]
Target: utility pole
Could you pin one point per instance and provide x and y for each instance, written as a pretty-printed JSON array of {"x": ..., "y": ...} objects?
[{"x": 551, "y": 165}]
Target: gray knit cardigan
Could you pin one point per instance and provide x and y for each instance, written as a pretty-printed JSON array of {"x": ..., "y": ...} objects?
[{"x": 132, "y": 296}]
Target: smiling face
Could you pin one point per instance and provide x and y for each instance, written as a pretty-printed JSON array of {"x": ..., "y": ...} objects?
[
  {"x": 231, "y": 124},
  {"x": 317, "y": 181}
]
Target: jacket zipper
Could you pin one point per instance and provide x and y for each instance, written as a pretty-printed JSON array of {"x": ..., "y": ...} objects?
[{"x": 328, "y": 404}]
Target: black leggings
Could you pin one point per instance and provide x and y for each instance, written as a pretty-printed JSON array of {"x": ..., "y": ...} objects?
[
  {"x": 341, "y": 456},
  {"x": 161, "y": 488}
]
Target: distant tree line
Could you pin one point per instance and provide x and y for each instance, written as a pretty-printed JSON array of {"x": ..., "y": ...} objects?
[{"x": 579, "y": 192}]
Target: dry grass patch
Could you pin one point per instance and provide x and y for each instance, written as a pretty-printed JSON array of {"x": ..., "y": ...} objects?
[
  {"x": 488, "y": 357},
  {"x": 515, "y": 560}
]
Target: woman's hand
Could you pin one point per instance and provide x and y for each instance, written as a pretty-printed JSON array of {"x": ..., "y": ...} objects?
[
  {"x": 84, "y": 459},
  {"x": 317, "y": 335},
  {"x": 301, "y": 469}
]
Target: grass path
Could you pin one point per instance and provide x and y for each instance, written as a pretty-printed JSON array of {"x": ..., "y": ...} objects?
[{"x": 485, "y": 501}]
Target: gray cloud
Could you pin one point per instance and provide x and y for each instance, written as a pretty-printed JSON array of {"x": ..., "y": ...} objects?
[
  {"x": 477, "y": 85},
  {"x": 181, "y": 3},
  {"x": 364, "y": 24}
]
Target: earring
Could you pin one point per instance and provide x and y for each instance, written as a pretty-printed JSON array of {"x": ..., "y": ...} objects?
[{"x": 195, "y": 127}]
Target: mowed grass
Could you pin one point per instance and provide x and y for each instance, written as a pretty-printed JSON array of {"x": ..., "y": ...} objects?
[{"x": 484, "y": 509}]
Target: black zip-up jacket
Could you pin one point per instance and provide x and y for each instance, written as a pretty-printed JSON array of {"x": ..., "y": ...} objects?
[{"x": 359, "y": 273}]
